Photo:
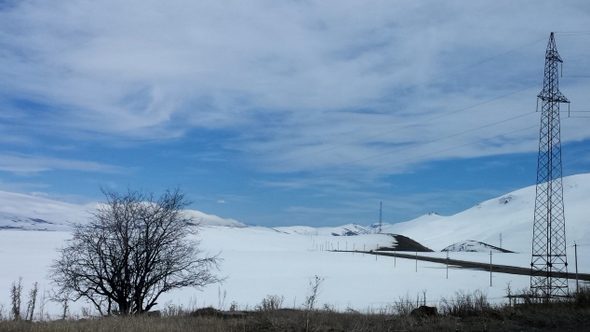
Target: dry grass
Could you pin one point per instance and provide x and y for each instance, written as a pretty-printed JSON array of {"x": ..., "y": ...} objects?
[
  {"x": 539, "y": 318},
  {"x": 465, "y": 312},
  {"x": 281, "y": 320}
]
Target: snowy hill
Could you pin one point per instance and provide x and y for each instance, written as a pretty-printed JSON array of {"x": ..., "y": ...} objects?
[
  {"x": 473, "y": 246},
  {"x": 258, "y": 261},
  {"x": 509, "y": 216},
  {"x": 36, "y": 213},
  {"x": 344, "y": 230},
  {"x": 28, "y": 212},
  {"x": 205, "y": 219}
]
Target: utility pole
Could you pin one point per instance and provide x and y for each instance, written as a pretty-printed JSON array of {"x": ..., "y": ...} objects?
[
  {"x": 447, "y": 264},
  {"x": 490, "y": 268},
  {"x": 548, "y": 244},
  {"x": 576, "y": 260},
  {"x": 380, "y": 216}
]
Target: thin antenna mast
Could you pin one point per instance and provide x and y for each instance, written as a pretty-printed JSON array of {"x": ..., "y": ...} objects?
[{"x": 380, "y": 216}]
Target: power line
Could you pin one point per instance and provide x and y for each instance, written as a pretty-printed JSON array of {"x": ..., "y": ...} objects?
[
  {"x": 400, "y": 149},
  {"x": 453, "y": 147},
  {"x": 579, "y": 244},
  {"x": 578, "y": 116},
  {"x": 335, "y": 146},
  {"x": 440, "y": 138},
  {"x": 493, "y": 57},
  {"x": 461, "y": 110},
  {"x": 573, "y": 33}
]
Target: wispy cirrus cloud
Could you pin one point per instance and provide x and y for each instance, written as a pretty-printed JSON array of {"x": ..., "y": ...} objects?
[
  {"x": 328, "y": 87},
  {"x": 364, "y": 208},
  {"x": 30, "y": 164}
]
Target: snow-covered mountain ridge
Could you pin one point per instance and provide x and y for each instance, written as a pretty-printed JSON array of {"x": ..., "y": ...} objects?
[
  {"x": 509, "y": 217},
  {"x": 344, "y": 230},
  {"x": 37, "y": 213},
  {"x": 474, "y": 246},
  {"x": 261, "y": 260}
]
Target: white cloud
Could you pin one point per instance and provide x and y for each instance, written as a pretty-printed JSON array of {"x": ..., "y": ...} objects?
[
  {"x": 28, "y": 164},
  {"x": 305, "y": 85}
]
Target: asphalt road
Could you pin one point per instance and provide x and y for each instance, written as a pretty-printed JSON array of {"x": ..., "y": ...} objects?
[{"x": 474, "y": 265}]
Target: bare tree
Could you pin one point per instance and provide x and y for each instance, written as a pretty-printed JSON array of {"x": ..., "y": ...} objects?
[{"x": 134, "y": 249}]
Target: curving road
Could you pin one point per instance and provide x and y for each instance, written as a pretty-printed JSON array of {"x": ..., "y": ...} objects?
[{"x": 474, "y": 265}]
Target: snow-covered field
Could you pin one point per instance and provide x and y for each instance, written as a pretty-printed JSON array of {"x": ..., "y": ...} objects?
[{"x": 261, "y": 261}]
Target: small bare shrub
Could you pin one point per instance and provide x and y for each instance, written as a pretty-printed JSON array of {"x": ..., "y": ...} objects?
[
  {"x": 314, "y": 287},
  {"x": 310, "y": 300},
  {"x": 525, "y": 296},
  {"x": 424, "y": 311},
  {"x": 170, "y": 310},
  {"x": 221, "y": 297},
  {"x": 582, "y": 297},
  {"x": 329, "y": 308},
  {"x": 233, "y": 306},
  {"x": 86, "y": 312},
  {"x": 404, "y": 306},
  {"x": 32, "y": 301},
  {"x": 45, "y": 298},
  {"x": 271, "y": 303},
  {"x": 466, "y": 304},
  {"x": 15, "y": 298}
]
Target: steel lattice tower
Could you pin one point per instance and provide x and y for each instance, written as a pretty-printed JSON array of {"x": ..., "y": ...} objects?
[{"x": 549, "y": 246}]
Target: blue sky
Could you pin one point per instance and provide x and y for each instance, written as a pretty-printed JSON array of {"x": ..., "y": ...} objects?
[{"x": 286, "y": 112}]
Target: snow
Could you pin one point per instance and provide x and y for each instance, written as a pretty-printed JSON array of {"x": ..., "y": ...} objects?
[
  {"x": 261, "y": 261},
  {"x": 472, "y": 246},
  {"x": 20, "y": 211},
  {"x": 344, "y": 230},
  {"x": 258, "y": 261},
  {"x": 29, "y": 212},
  {"x": 510, "y": 215},
  {"x": 205, "y": 219}
]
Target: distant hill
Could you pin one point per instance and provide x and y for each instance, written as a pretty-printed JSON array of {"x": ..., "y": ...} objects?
[
  {"x": 29, "y": 212},
  {"x": 344, "y": 230},
  {"x": 510, "y": 215},
  {"x": 38, "y": 213},
  {"x": 474, "y": 246}
]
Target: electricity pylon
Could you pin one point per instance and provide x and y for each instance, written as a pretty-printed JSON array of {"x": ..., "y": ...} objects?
[{"x": 549, "y": 245}]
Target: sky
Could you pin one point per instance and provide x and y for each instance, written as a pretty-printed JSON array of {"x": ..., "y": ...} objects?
[{"x": 287, "y": 112}]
